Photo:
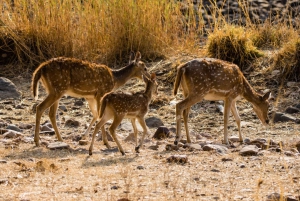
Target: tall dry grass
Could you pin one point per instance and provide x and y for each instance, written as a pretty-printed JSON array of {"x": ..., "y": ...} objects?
[{"x": 97, "y": 30}]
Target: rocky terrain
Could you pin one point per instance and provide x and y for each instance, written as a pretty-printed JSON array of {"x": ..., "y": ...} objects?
[{"x": 265, "y": 167}]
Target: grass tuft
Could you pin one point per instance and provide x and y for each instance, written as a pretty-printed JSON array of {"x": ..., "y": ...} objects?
[{"x": 231, "y": 43}]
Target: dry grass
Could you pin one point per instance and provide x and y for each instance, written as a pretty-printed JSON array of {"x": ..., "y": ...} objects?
[
  {"x": 287, "y": 60},
  {"x": 232, "y": 44}
]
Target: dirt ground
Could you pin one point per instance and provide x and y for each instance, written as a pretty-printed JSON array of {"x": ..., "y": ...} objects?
[{"x": 38, "y": 173}]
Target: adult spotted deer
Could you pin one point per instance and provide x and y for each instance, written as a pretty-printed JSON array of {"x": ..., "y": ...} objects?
[
  {"x": 120, "y": 105},
  {"x": 214, "y": 79},
  {"x": 68, "y": 76}
]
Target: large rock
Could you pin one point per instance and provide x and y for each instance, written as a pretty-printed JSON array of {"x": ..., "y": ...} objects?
[
  {"x": 8, "y": 89},
  {"x": 162, "y": 132},
  {"x": 281, "y": 117},
  {"x": 249, "y": 150},
  {"x": 154, "y": 122},
  {"x": 213, "y": 147}
]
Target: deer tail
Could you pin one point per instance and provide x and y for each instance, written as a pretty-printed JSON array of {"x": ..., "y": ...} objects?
[
  {"x": 103, "y": 106},
  {"x": 35, "y": 82},
  {"x": 180, "y": 71}
]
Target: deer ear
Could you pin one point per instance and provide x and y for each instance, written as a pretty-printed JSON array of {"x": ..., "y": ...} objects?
[
  {"x": 267, "y": 96},
  {"x": 138, "y": 57}
]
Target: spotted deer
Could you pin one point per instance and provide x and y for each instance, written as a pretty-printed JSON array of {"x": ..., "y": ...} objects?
[
  {"x": 69, "y": 76},
  {"x": 120, "y": 105},
  {"x": 214, "y": 79}
]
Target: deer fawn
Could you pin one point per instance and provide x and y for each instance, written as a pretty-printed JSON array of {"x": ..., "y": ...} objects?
[
  {"x": 78, "y": 78},
  {"x": 120, "y": 105},
  {"x": 214, "y": 79}
]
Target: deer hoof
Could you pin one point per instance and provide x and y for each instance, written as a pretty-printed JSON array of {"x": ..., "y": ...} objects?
[
  {"x": 137, "y": 149},
  {"x": 90, "y": 152}
]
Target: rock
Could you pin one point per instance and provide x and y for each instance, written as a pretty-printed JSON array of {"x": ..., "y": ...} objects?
[
  {"x": 127, "y": 126},
  {"x": 234, "y": 139},
  {"x": 178, "y": 159},
  {"x": 3, "y": 161},
  {"x": 220, "y": 109},
  {"x": 46, "y": 128},
  {"x": 3, "y": 181},
  {"x": 278, "y": 197},
  {"x": 192, "y": 147},
  {"x": 12, "y": 134},
  {"x": 292, "y": 110},
  {"x": 25, "y": 126},
  {"x": 8, "y": 89},
  {"x": 79, "y": 103},
  {"x": 218, "y": 148},
  {"x": 153, "y": 147},
  {"x": 154, "y": 122},
  {"x": 162, "y": 132},
  {"x": 130, "y": 138},
  {"x": 172, "y": 147},
  {"x": 281, "y": 117},
  {"x": 72, "y": 123},
  {"x": 63, "y": 108},
  {"x": 14, "y": 128},
  {"x": 249, "y": 150},
  {"x": 298, "y": 146},
  {"x": 58, "y": 145},
  {"x": 297, "y": 105},
  {"x": 140, "y": 167},
  {"x": 83, "y": 142}
]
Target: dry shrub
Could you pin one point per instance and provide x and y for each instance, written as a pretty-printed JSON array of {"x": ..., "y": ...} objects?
[
  {"x": 101, "y": 31},
  {"x": 232, "y": 44},
  {"x": 287, "y": 60},
  {"x": 271, "y": 35}
]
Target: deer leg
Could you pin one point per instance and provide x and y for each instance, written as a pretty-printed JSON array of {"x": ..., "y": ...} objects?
[
  {"x": 104, "y": 137},
  {"x": 185, "y": 120},
  {"x": 52, "y": 116},
  {"x": 40, "y": 109},
  {"x": 237, "y": 119},
  {"x": 145, "y": 131},
  {"x": 103, "y": 120},
  {"x": 112, "y": 129},
  {"x": 227, "y": 105},
  {"x": 180, "y": 107},
  {"x": 93, "y": 107},
  {"x": 135, "y": 131}
]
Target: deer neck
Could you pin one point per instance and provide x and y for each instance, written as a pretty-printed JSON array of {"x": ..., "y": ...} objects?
[
  {"x": 148, "y": 92},
  {"x": 121, "y": 76},
  {"x": 249, "y": 93}
]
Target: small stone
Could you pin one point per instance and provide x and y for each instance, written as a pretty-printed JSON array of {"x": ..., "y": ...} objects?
[
  {"x": 234, "y": 139},
  {"x": 242, "y": 166},
  {"x": 212, "y": 147},
  {"x": 193, "y": 147},
  {"x": 12, "y": 134},
  {"x": 292, "y": 110},
  {"x": 72, "y": 123},
  {"x": 178, "y": 159},
  {"x": 83, "y": 142},
  {"x": 3, "y": 161},
  {"x": 3, "y": 181},
  {"x": 114, "y": 187},
  {"x": 25, "y": 126},
  {"x": 14, "y": 128},
  {"x": 46, "y": 128},
  {"x": 289, "y": 153},
  {"x": 154, "y": 122},
  {"x": 162, "y": 132},
  {"x": 58, "y": 145},
  {"x": 172, "y": 147},
  {"x": 153, "y": 147},
  {"x": 215, "y": 170},
  {"x": 251, "y": 150},
  {"x": 63, "y": 108},
  {"x": 140, "y": 167},
  {"x": 79, "y": 103},
  {"x": 281, "y": 117}
]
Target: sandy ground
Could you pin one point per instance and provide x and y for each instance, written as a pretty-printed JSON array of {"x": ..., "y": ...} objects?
[{"x": 38, "y": 173}]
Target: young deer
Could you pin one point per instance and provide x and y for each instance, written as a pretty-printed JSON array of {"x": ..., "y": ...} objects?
[
  {"x": 214, "y": 79},
  {"x": 120, "y": 105},
  {"x": 78, "y": 78}
]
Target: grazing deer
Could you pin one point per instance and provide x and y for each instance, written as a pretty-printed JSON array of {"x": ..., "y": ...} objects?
[
  {"x": 78, "y": 78},
  {"x": 120, "y": 105},
  {"x": 214, "y": 79}
]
